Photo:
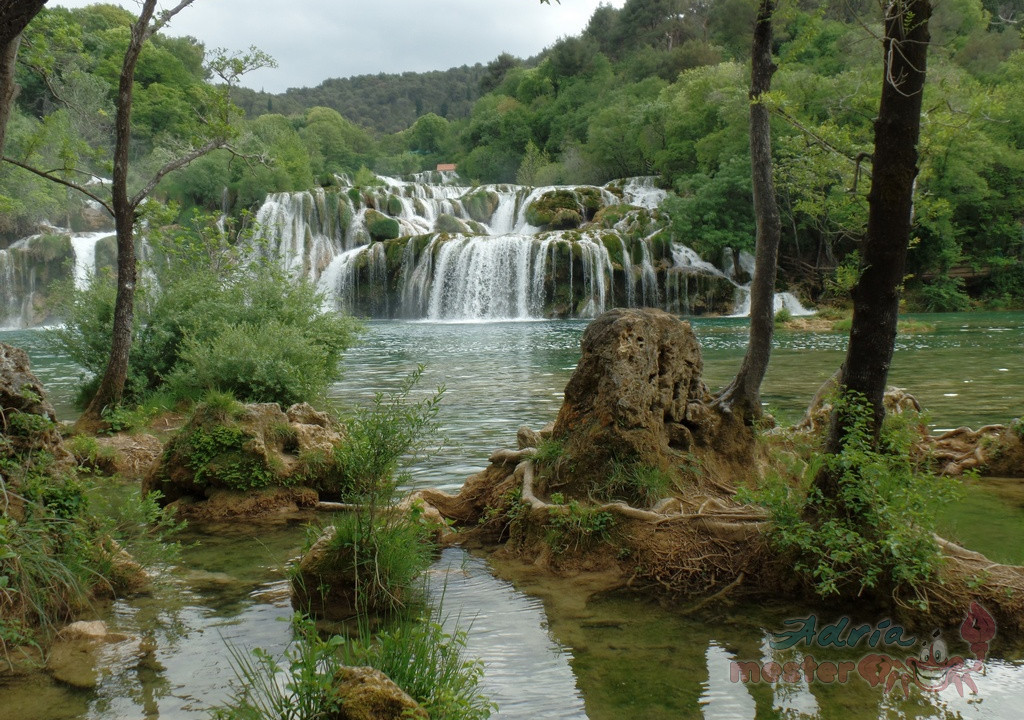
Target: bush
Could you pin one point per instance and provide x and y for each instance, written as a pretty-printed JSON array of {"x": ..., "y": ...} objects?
[
  {"x": 205, "y": 324},
  {"x": 383, "y": 554},
  {"x": 392, "y": 429},
  {"x": 942, "y": 295},
  {"x": 375, "y": 553},
  {"x": 878, "y": 532}
]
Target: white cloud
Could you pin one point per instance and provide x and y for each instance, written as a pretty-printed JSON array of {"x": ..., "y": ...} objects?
[{"x": 317, "y": 39}]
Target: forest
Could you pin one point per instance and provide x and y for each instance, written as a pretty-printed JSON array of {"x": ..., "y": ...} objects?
[{"x": 655, "y": 88}]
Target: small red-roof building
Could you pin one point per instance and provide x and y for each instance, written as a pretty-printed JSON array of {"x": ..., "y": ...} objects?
[{"x": 446, "y": 167}]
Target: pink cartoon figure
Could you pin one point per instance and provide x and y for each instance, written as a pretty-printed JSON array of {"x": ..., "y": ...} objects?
[{"x": 933, "y": 669}]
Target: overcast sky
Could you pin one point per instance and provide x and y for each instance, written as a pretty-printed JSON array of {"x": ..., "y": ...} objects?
[{"x": 317, "y": 39}]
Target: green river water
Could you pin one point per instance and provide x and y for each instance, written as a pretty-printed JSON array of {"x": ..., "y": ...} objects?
[{"x": 548, "y": 652}]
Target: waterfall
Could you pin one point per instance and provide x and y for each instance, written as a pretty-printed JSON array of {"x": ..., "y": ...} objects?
[
  {"x": 783, "y": 300},
  {"x": 84, "y": 245},
  {"x": 434, "y": 248}
]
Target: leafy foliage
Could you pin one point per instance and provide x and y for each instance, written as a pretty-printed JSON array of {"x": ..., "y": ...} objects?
[
  {"x": 878, "y": 532},
  {"x": 204, "y": 324}
]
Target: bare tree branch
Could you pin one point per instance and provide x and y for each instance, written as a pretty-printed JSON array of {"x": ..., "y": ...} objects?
[
  {"x": 61, "y": 181},
  {"x": 166, "y": 16}
]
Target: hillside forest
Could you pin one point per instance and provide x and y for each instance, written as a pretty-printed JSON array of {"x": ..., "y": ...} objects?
[{"x": 658, "y": 87}]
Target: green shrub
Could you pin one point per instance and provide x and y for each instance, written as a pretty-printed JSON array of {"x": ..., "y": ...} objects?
[
  {"x": 783, "y": 316},
  {"x": 384, "y": 553},
  {"x": 382, "y": 435},
  {"x": 205, "y": 324},
  {"x": 942, "y": 294},
  {"x": 878, "y": 532}
]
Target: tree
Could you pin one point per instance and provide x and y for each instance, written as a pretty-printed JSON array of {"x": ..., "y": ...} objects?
[
  {"x": 124, "y": 206},
  {"x": 890, "y": 208},
  {"x": 743, "y": 395},
  {"x": 15, "y": 15}
]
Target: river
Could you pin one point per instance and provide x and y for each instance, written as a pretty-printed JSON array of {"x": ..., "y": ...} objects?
[{"x": 549, "y": 653}]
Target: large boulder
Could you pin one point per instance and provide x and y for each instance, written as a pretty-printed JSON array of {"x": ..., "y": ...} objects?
[{"x": 636, "y": 395}]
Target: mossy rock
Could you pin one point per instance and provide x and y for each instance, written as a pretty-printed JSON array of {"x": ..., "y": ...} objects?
[
  {"x": 481, "y": 204},
  {"x": 450, "y": 224},
  {"x": 106, "y": 253},
  {"x": 565, "y": 219},
  {"x": 393, "y": 206},
  {"x": 591, "y": 199},
  {"x": 545, "y": 210},
  {"x": 610, "y": 215},
  {"x": 47, "y": 248},
  {"x": 246, "y": 448},
  {"x": 380, "y": 226},
  {"x": 344, "y": 214},
  {"x": 613, "y": 245},
  {"x": 355, "y": 197}
]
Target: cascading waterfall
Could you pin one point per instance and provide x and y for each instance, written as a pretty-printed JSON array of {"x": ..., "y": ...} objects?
[
  {"x": 450, "y": 252},
  {"x": 435, "y": 248},
  {"x": 84, "y": 245}
]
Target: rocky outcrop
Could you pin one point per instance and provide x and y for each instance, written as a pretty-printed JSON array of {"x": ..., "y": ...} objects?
[
  {"x": 636, "y": 396},
  {"x": 564, "y": 208},
  {"x": 20, "y": 390},
  {"x": 368, "y": 694},
  {"x": 248, "y": 460}
]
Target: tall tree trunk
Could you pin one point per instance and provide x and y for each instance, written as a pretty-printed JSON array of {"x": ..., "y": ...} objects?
[
  {"x": 111, "y": 387},
  {"x": 743, "y": 395},
  {"x": 15, "y": 15},
  {"x": 890, "y": 205}
]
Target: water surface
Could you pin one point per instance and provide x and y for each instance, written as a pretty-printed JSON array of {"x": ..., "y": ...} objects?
[{"x": 549, "y": 653}]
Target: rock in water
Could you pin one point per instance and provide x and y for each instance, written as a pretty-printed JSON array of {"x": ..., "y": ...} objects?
[
  {"x": 369, "y": 694},
  {"x": 20, "y": 390},
  {"x": 636, "y": 394}
]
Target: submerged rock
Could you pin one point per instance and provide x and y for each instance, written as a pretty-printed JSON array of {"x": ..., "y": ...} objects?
[
  {"x": 368, "y": 694},
  {"x": 75, "y": 655}
]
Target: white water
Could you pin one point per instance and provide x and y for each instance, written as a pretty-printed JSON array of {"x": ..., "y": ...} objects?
[
  {"x": 84, "y": 245},
  {"x": 783, "y": 300},
  {"x": 507, "y": 269}
]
